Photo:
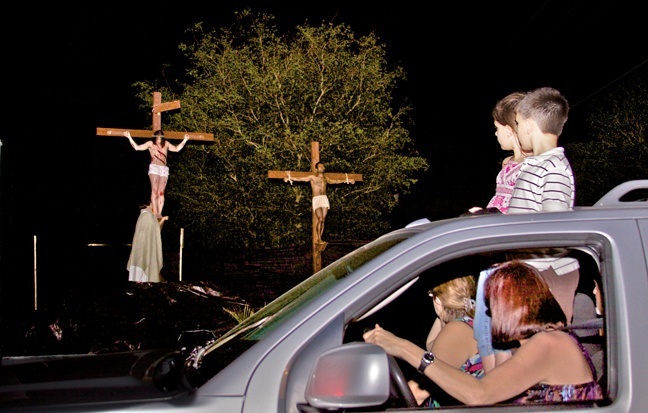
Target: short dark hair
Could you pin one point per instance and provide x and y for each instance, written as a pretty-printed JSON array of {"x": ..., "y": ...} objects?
[{"x": 547, "y": 107}]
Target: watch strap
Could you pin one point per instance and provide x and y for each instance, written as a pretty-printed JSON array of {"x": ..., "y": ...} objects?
[{"x": 426, "y": 360}]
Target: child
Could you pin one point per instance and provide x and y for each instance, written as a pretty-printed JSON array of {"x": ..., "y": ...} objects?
[
  {"x": 545, "y": 183},
  {"x": 546, "y": 180},
  {"x": 506, "y": 132}
]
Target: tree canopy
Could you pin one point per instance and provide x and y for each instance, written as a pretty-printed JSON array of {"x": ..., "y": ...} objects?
[
  {"x": 266, "y": 96},
  {"x": 618, "y": 149}
]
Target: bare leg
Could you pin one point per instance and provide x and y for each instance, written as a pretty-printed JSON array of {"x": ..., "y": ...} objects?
[
  {"x": 324, "y": 212},
  {"x": 319, "y": 223},
  {"x": 161, "y": 188},
  {"x": 158, "y": 183},
  {"x": 154, "y": 202}
]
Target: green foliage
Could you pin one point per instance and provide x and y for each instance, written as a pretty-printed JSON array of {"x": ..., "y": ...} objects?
[
  {"x": 618, "y": 152},
  {"x": 241, "y": 313},
  {"x": 266, "y": 97}
]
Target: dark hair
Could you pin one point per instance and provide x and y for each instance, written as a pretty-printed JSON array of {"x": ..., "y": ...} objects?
[
  {"x": 504, "y": 110},
  {"x": 159, "y": 134},
  {"x": 547, "y": 107},
  {"x": 520, "y": 303},
  {"x": 319, "y": 162}
]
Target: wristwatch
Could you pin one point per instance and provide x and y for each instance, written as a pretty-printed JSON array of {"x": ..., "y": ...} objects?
[{"x": 426, "y": 360}]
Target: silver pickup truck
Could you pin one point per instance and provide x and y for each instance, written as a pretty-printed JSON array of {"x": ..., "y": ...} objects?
[{"x": 304, "y": 352}]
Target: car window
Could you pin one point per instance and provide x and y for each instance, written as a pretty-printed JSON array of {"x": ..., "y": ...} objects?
[{"x": 410, "y": 313}]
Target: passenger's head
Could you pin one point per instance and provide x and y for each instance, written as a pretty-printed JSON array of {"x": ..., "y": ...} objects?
[
  {"x": 455, "y": 297},
  {"x": 547, "y": 107},
  {"x": 520, "y": 303},
  {"x": 504, "y": 110}
]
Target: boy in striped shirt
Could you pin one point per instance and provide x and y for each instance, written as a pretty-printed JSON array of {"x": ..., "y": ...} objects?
[{"x": 546, "y": 180}]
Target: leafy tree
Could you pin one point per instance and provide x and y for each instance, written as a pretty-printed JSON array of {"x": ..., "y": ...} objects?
[
  {"x": 618, "y": 151},
  {"x": 265, "y": 97}
]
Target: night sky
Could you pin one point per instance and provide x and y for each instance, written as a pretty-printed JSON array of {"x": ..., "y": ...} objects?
[{"x": 69, "y": 71}]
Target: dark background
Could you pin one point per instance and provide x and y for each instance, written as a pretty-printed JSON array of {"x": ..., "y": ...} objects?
[{"x": 70, "y": 70}]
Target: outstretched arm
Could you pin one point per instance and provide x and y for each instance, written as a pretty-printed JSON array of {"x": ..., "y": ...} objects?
[
  {"x": 304, "y": 179},
  {"x": 135, "y": 146},
  {"x": 178, "y": 147},
  {"x": 340, "y": 181},
  {"x": 519, "y": 373}
]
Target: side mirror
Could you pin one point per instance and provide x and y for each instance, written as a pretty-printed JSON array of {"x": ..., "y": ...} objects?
[{"x": 350, "y": 376}]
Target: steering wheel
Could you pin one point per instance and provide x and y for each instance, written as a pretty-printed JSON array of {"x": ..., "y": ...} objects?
[{"x": 398, "y": 384}]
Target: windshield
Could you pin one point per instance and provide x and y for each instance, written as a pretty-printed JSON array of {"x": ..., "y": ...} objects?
[{"x": 238, "y": 339}]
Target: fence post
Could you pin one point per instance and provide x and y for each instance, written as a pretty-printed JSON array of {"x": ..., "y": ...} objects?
[
  {"x": 35, "y": 276},
  {"x": 181, "y": 247}
]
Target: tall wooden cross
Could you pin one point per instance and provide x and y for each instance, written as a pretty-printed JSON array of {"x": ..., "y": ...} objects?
[
  {"x": 158, "y": 108},
  {"x": 315, "y": 158}
]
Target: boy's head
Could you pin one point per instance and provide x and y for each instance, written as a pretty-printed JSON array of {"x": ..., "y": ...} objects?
[{"x": 547, "y": 107}]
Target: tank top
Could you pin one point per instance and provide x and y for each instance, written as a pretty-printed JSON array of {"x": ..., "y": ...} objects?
[{"x": 564, "y": 392}]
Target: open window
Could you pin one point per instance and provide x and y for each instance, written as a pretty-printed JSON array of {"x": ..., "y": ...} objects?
[{"x": 409, "y": 312}]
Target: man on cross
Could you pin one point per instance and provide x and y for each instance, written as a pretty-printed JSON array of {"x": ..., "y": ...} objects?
[
  {"x": 321, "y": 204},
  {"x": 158, "y": 173}
]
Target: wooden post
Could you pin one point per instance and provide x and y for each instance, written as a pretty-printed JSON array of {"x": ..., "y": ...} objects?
[
  {"x": 315, "y": 158},
  {"x": 181, "y": 248},
  {"x": 35, "y": 276},
  {"x": 158, "y": 108}
]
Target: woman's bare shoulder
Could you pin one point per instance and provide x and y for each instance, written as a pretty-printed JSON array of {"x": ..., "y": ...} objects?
[{"x": 457, "y": 327}]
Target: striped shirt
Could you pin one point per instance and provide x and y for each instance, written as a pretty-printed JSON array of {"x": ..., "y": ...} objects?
[{"x": 545, "y": 183}]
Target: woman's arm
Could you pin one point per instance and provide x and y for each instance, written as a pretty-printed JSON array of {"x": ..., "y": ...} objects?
[
  {"x": 135, "y": 146},
  {"x": 515, "y": 376},
  {"x": 434, "y": 332},
  {"x": 178, "y": 147}
]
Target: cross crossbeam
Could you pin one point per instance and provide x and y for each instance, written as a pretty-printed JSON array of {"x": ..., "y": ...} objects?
[{"x": 158, "y": 108}]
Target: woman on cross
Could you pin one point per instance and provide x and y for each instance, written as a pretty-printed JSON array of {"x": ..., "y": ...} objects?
[{"x": 158, "y": 173}]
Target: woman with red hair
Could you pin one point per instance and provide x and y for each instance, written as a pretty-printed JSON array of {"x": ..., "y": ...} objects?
[{"x": 547, "y": 365}]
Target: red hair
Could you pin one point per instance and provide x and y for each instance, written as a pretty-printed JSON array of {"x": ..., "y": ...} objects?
[{"x": 520, "y": 303}]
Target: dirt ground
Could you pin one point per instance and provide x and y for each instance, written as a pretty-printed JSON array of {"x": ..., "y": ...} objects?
[
  {"x": 118, "y": 316},
  {"x": 135, "y": 316}
]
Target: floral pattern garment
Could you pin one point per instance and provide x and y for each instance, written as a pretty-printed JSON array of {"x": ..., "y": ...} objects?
[
  {"x": 473, "y": 365},
  {"x": 564, "y": 392},
  {"x": 504, "y": 185}
]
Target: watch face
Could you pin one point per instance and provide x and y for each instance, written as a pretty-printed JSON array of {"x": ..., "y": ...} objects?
[{"x": 428, "y": 358}]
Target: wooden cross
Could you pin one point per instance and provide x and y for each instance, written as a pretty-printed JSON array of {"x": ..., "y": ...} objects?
[
  {"x": 158, "y": 108},
  {"x": 315, "y": 158}
]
